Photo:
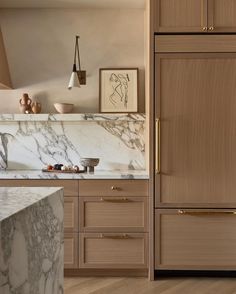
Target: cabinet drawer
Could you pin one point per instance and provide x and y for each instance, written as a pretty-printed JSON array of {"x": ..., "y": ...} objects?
[
  {"x": 195, "y": 239},
  {"x": 71, "y": 187},
  {"x": 71, "y": 208},
  {"x": 113, "y": 188},
  {"x": 70, "y": 250},
  {"x": 113, "y": 250},
  {"x": 120, "y": 214}
]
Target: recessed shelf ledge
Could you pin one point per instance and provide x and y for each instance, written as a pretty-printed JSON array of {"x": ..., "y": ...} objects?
[{"x": 73, "y": 117}]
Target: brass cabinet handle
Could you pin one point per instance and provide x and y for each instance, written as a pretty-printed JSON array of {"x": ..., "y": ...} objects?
[
  {"x": 204, "y": 29},
  {"x": 207, "y": 212},
  {"x": 123, "y": 236},
  {"x": 113, "y": 188},
  {"x": 211, "y": 28},
  {"x": 117, "y": 200},
  {"x": 158, "y": 145}
]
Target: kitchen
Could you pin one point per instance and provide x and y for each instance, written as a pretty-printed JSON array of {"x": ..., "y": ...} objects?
[{"x": 134, "y": 172}]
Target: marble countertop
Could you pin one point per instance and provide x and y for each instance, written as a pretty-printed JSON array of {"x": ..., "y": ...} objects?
[
  {"x": 73, "y": 117},
  {"x": 38, "y": 174},
  {"x": 13, "y": 200}
]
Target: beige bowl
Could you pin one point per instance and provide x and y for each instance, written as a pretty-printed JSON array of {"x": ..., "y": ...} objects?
[{"x": 63, "y": 107}]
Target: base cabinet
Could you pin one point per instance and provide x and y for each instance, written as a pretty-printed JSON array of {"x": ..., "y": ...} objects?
[
  {"x": 71, "y": 250},
  {"x": 105, "y": 224},
  {"x": 114, "y": 251},
  {"x": 195, "y": 239}
]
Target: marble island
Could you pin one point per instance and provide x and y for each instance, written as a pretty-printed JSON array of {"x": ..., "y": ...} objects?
[{"x": 31, "y": 240}]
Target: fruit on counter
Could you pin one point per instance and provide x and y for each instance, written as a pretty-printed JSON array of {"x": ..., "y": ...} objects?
[
  {"x": 76, "y": 168},
  {"x": 49, "y": 167},
  {"x": 58, "y": 167}
]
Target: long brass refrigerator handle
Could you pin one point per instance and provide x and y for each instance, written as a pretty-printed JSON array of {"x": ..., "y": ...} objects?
[
  {"x": 158, "y": 146},
  {"x": 224, "y": 212}
]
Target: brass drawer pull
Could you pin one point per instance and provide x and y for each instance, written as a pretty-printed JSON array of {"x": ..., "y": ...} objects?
[
  {"x": 226, "y": 212},
  {"x": 123, "y": 236},
  {"x": 113, "y": 188},
  {"x": 117, "y": 200},
  {"x": 204, "y": 29},
  {"x": 211, "y": 28},
  {"x": 158, "y": 145}
]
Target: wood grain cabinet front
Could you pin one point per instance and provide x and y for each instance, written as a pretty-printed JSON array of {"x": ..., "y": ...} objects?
[
  {"x": 71, "y": 211},
  {"x": 205, "y": 16},
  {"x": 71, "y": 187},
  {"x": 113, "y": 250},
  {"x": 195, "y": 239},
  {"x": 180, "y": 15},
  {"x": 221, "y": 16},
  {"x": 120, "y": 214},
  {"x": 195, "y": 101},
  {"x": 71, "y": 259},
  {"x": 103, "y": 188}
]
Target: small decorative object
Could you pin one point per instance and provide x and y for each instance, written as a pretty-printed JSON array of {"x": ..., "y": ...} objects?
[
  {"x": 118, "y": 90},
  {"x": 36, "y": 107},
  {"x": 60, "y": 168},
  {"x": 63, "y": 107},
  {"x": 89, "y": 163},
  {"x": 78, "y": 77},
  {"x": 25, "y": 104}
]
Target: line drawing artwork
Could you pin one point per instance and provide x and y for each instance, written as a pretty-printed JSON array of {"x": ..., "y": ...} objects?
[{"x": 120, "y": 89}]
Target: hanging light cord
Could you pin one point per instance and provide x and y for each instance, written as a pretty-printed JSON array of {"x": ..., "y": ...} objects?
[{"x": 77, "y": 51}]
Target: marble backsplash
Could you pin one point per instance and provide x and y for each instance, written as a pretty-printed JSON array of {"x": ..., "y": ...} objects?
[{"x": 34, "y": 143}]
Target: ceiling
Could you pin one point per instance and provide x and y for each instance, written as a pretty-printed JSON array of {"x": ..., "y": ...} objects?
[{"x": 72, "y": 4}]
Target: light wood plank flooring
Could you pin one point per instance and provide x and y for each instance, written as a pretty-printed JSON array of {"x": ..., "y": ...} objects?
[{"x": 143, "y": 286}]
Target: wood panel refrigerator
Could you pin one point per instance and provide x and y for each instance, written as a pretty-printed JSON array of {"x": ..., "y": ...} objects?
[{"x": 195, "y": 152}]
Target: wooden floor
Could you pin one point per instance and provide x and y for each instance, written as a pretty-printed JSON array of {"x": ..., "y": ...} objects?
[{"x": 143, "y": 286}]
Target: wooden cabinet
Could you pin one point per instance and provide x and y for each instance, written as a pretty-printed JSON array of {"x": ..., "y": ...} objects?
[
  {"x": 196, "y": 104},
  {"x": 222, "y": 15},
  {"x": 205, "y": 16},
  {"x": 180, "y": 15},
  {"x": 113, "y": 214},
  {"x": 71, "y": 248},
  {"x": 113, "y": 188},
  {"x": 195, "y": 185},
  {"x": 113, "y": 250},
  {"x": 71, "y": 187},
  {"x": 5, "y": 80},
  {"x": 195, "y": 239},
  {"x": 105, "y": 222},
  {"x": 71, "y": 212}
]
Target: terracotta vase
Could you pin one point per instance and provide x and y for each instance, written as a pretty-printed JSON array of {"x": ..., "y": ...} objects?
[
  {"x": 25, "y": 104},
  {"x": 36, "y": 107}
]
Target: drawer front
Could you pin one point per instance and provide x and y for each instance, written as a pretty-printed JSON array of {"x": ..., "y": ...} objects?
[
  {"x": 113, "y": 188},
  {"x": 71, "y": 208},
  {"x": 71, "y": 187},
  {"x": 195, "y": 239},
  {"x": 109, "y": 214},
  {"x": 70, "y": 250},
  {"x": 113, "y": 251}
]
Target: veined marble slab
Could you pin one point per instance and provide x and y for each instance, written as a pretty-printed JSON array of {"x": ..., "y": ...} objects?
[
  {"x": 120, "y": 144},
  {"x": 37, "y": 174},
  {"x": 13, "y": 200},
  {"x": 73, "y": 117},
  {"x": 31, "y": 241}
]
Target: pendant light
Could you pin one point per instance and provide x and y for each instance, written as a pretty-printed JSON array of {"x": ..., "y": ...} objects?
[{"x": 78, "y": 77}]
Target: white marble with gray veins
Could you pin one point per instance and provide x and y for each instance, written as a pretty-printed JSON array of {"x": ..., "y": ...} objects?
[
  {"x": 38, "y": 174},
  {"x": 73, "y": 117},
  {"x": 31, "y": 241},
  {"x": 119, "y": 143}
]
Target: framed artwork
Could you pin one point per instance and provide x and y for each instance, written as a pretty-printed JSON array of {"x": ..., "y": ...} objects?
[{"x": 118, "y": 90}]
